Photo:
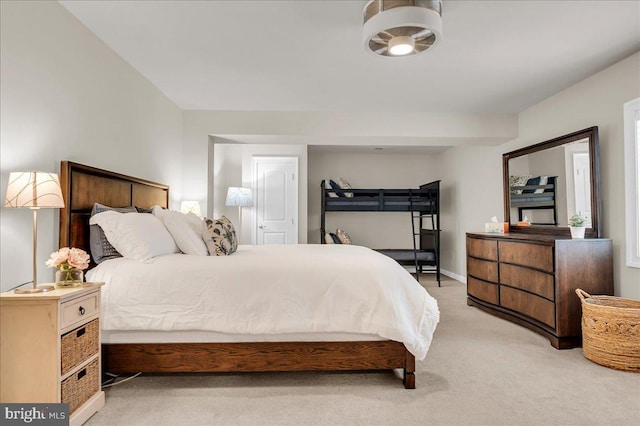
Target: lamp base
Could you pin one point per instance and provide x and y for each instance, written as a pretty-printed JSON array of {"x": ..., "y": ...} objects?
[{"x": 40, "y": 289}]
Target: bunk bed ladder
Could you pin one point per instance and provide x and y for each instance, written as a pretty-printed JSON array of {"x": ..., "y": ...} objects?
[
  {"x": 417, "y": 217},
  {"x": 413, "y": 227}
]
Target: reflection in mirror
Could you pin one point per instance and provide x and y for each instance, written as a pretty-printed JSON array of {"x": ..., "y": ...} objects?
[
  {"x": 546, "y": 183},
  {"x": 549, "y": 186}
]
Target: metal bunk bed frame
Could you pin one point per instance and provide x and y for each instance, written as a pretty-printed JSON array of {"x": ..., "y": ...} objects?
[{"x": 423, "y": 204}]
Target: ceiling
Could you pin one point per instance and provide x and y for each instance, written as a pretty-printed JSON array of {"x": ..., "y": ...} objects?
[{"x": 496, "y": 57}]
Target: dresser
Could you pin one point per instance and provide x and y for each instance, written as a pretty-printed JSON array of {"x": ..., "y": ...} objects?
[
  {"x": 50, "y": 349},
  {"x": 531, "y": 280}
]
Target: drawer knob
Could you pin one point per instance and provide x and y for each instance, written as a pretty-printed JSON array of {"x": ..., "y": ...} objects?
[{"x": 81, "y": 310}]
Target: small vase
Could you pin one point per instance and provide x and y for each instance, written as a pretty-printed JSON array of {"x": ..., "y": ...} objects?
[
  {"x": 69, "y": 278},
  {"x": 577, "y": 231}
]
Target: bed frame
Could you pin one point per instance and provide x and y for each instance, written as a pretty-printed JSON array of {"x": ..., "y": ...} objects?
[
  {"x": 82, "y": 186},
  {"x": 422, "y": 203},
  {"x": 530, "y": 200}
]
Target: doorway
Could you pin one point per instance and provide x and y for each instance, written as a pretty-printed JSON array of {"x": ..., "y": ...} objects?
[
  {"x": 578, "y": 176},
  {"x": 276, "y": 200}
]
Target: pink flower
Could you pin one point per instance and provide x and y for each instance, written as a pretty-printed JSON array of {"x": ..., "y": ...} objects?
[
  {"x": 78, "y": 258},
  {"x": 59, "y": 257},
  {"x": 67, "y": 258}
]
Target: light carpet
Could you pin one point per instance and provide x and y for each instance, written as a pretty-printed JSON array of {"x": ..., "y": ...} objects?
[{"x": 480, "y": 370}]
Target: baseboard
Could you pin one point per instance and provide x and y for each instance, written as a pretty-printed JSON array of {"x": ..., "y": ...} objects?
[{"x": 461, "y": 278}]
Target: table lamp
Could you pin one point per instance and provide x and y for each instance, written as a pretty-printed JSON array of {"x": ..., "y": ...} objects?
[
  {"x": 34, "y": 190},
  {"x": 240, "y": 197},
  {"x": 187, "y": 207}
]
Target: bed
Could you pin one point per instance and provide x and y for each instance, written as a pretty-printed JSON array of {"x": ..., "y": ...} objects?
[
  {"x": 423, "y": 204},
  {"x": 534, "y": 193},
  {"x": 165, "y": 351}
]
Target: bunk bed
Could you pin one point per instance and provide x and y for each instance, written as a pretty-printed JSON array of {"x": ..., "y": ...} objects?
[
  {"x": 534, "y": 193},
  {"x": 422, "y": 203}
]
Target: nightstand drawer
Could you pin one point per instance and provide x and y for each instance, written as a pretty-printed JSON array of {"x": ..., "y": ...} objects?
[
  {"x": 78, "y": 309},
  {"x": 78, "y": 345},
  {"x": 81, "y": 386}
]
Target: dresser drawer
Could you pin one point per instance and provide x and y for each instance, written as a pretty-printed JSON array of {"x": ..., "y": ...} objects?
[
  {"x": 528, "y": 304},
  {"x": 80, "y": 386},
  {"x": 484, "y": 249},
  {"x": 483, "y": 269},
  {"x": 531, "y": 280},
  {"x": 78, "y": 345},
  {"x": 482, "y": 290},
  {"x": 533, "y": 255},
  {"x": 77, "y": 310}
]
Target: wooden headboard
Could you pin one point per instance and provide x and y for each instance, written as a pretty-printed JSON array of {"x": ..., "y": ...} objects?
[{"x": 82, "y": 186}]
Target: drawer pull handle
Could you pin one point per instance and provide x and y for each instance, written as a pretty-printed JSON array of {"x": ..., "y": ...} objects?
[
  {"x": 81, "y": 331},
  {"x": 82, "y": 310},
  {"x": 82, "y": 374}
]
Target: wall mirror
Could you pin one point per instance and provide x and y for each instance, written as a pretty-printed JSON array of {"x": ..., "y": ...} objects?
[{"x": 548, "y": 182}]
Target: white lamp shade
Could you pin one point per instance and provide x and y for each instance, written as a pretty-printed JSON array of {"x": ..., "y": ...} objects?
[
  {"x": 34, "y": 190},
  {"x": 239, "y": 197},
  {"x": 187, "y": 207}
]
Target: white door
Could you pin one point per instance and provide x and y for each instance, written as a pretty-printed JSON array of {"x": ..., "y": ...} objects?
[
  {"x": 276, "y": 200},
  {"x": 582, "y": 185}
]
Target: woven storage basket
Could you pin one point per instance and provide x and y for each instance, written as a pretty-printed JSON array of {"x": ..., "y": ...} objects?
[
  {"x": 79, "y": 345},
  {"x": 611, "y": 331},
  {"x": 80, "y": 386}
]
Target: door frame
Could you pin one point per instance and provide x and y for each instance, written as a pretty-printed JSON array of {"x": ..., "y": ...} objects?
[{"x": 254, "y": 186}]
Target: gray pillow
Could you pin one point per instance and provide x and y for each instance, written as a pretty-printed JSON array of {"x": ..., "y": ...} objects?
[{"x": 101, "y": 248}]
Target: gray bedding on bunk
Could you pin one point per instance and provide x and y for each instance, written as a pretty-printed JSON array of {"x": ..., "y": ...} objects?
[{"x": 406, "y": 255}]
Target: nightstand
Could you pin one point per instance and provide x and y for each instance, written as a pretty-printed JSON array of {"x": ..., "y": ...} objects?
[{"x": 50, "y": 349}]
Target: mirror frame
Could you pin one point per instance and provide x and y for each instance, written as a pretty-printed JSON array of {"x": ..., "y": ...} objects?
[{"x": 595, "y": 231}]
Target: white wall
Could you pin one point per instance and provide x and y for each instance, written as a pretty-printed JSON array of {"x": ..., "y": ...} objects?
[
  {"x": 227, "y": 171},
  {"x": 595, "y": 101},
  {"x": 471, "y": 195},
  {"x": 366, "y": 169},
  {"x": 64, "y": 95},
  {"x": 326, "y": 128}
]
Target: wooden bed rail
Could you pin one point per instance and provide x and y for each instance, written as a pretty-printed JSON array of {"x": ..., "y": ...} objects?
[{"x": 259, "y": 357}]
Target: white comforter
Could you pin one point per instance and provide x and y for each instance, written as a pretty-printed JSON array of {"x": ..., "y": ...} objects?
[{"x": 270, "y": 289}]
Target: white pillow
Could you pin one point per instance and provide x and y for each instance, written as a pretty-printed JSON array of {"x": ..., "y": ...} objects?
[
  {"x": 137, "y": 236},
  {"x": 158, "y": 211},
  {"x": 186, "y": 231}
]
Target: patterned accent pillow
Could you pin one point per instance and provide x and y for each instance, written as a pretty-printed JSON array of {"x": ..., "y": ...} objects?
[
  {"x": 518, "y": 181},
  {"x": 345, "y": 185},
  {"x": 220, "y": 236},
  {"x": 101, "y": 248},
  {"x": 343, "y": 236},
  {"x": 331, "y": 238}
]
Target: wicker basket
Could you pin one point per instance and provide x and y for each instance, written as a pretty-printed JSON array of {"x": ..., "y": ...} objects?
[
  {"x": 79, "y": 345},
  {"x": 80, "y": 386},
  {"x": 611, "y": 331}
]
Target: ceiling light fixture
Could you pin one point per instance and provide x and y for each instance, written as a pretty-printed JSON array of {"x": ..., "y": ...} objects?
[{"x": 402, "y": 27}]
